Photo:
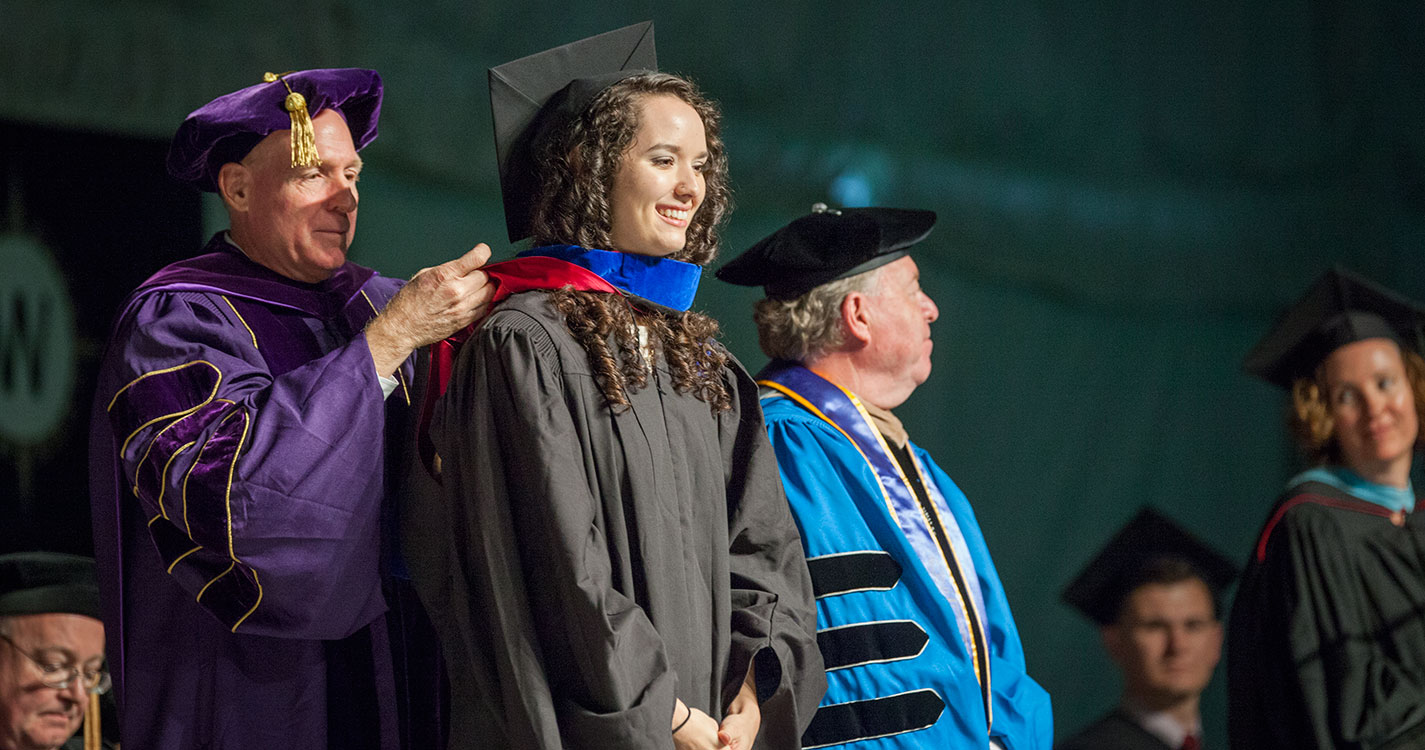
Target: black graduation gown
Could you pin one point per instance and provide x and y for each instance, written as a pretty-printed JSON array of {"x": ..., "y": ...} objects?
[
  {"x": 603, "y": 564},
  {"x": 1116, "y": 731},
  {"x": 1326, "y": 642}
]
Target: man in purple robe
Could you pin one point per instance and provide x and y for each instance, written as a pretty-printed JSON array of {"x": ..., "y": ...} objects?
[{"x": 254, "y": 594}]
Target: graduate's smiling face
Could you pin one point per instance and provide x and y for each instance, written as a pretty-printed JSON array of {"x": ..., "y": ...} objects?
[
  {"x": 659, "y": 184},
  {"x": 35, "y": 716},
  {"x": 1166, "y": 642},
  {"x": 296, "y": 221},
  {"x": 1371, "y": 401}
]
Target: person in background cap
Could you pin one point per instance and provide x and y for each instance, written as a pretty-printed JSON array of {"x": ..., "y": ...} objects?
[
  {"x": 919, "y": 644},
  {"x": 237, "y": 452},
  {"x": 1154, "y": 591},
  {"x": 51, "y": 652},
  {"x": 623, "y": 570},
  {"x": 1326, "y": 641}
]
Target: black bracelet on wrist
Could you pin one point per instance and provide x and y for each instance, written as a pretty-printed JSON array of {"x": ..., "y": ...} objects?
[{"x": 684, "y": 722}]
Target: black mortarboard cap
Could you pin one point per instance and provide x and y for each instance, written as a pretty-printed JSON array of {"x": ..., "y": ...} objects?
[
  {"x": 1115, "y": 571},
  {"x": 37, "y": 583},
  {"x": 1342, "y": 307},
  {"x": 826, "y": 245},
  {"x": 530, "y": 98}
]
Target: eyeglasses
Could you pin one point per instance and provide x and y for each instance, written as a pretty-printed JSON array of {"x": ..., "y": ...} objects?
[{"x": 61, "y": 676}]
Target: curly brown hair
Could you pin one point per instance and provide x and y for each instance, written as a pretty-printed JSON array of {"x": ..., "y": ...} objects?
[
  {"x": 576, "y": 169},
  {"x": 1310, "y": 419}
]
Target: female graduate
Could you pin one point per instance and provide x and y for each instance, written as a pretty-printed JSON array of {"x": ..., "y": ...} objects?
[
  {"x": 625, "y": 572},
  {"x": 1326, "y": 643}
]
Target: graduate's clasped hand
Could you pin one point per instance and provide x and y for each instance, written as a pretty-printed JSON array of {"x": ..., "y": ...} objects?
[{"x": 701, "y": 732}]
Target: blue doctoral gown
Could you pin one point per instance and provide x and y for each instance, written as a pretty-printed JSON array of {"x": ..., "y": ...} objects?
[{"x": 901, "y": 671}]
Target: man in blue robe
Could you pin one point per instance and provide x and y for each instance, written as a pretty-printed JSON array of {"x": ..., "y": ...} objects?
[
  {"x": 253, "y": 593},
  {"x": 912, "y": 622}
]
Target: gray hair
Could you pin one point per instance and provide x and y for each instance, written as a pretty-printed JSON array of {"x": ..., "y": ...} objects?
[{"x": 810, "y": 325}]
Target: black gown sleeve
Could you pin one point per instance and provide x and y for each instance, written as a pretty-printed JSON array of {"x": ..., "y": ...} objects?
[
  {"x": 569, "y": 661},
  {"x": 773, "y": 607}
]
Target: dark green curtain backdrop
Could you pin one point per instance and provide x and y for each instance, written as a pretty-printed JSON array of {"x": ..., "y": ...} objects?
[{"x": 1128, "y": 193}]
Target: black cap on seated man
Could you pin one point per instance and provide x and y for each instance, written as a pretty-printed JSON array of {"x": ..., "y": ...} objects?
[
  {"x": 51, "y": 652},
  {"x": 1154, "y": 591}
]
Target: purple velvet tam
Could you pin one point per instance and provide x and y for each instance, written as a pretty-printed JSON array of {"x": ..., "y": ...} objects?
[{"x": 228, "y": 127}]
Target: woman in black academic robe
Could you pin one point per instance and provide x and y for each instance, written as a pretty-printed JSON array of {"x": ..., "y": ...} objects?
[
  {"x": 624, "y": 571},
  {"x": 1326, "y": 642}
]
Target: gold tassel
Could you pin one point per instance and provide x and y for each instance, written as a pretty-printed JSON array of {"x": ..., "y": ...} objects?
[
  {"x": 304, "y": 139},
  {"x": 92, "y": 738}
]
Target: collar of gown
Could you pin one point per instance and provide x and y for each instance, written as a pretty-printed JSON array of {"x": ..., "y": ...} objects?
[
  {"x": 1390, "y": 498},
  {"x": 1160, "y": 724},
  {"x": 888, "y": 424},
  {"x": 662, "y": 281}
]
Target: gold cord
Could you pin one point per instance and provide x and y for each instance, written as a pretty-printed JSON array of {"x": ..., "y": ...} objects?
[
  {"x": 304, "y": 139},
  {"x": 92, "y": 737}
]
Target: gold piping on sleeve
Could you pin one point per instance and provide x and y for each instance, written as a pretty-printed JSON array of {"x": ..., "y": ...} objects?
[
  {"x": 204, "y": 590},
  {"x": 125, "y": 446},
  {"x": 243, "y": 619},
  {"x": 233, "y": 307},
  {"x": 163, "y": 480},
  {"x": 228, "y": 491},
  {"x": 120, "y": 392},
  {"x": 179, "y": 559},
  {"x": 144, "y": 459},
  {"x": 227, "y": 502},
  {"x": 170, "y": 426},
  {"x": 368, "y": 301},
  {"x": 186, "y": 527},
  {"x": 405, "y": 389}
]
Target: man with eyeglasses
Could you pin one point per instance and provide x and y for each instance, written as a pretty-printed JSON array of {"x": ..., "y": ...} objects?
[{"x": 51, "y": 652}]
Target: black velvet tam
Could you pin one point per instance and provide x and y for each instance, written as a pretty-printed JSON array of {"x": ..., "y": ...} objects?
[
  {"x": 825, "y": 246},
  {"x": 37, "y": 583}
]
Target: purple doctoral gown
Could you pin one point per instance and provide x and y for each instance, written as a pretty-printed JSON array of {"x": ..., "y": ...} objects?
[{"x": 236, "y": 469}]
